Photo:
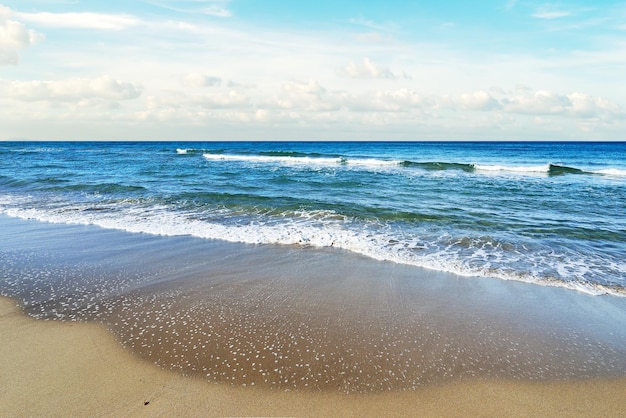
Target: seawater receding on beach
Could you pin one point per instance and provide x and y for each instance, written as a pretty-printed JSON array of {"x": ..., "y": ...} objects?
[
  {"x": 301, "y": 318},
  {"x": 294, "y": 347}
]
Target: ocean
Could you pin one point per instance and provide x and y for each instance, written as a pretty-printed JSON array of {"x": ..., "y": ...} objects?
[
  {"x": 328, "y": 266},
  {"x": 548, "y": 213}
]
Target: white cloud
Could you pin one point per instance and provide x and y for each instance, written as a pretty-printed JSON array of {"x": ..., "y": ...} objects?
[
  {"x": 71, "y": 90},
  {"x": 215, "y": 8},
  {"x": 373, "y": 38},
  {"x": 222, "y": 100},
  {"x": 540, "y": 103},
  {"x": 586, "y": 106},
  {"x": 574, "y": 105},
  {"x": 218, "y": 11},
  {"x": 299, "y": 88},
  {"x": 480, "y": 100},
  {"x": 551, "y": 15},
  {"x": 308, "y": 105},
  {"x": 14, "y": 36},
  {"x": 379, "y": 27},
  {"x": 181, "y": 108},
  {"x": 310, "y": 101},
  {"x": 401, "y": 100},
  {"x": 81, "y": 20},
  {"x": 549, "y": 12},
  {"x": 366, "y": 69},
  {"x": 200, "y": 80},
  {"x": 307, "y": 96}
]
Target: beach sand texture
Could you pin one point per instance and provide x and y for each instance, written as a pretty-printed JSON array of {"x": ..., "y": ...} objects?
[{"x": 51, "y": 368}]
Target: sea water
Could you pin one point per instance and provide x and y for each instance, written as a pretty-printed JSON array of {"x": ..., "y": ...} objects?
[{"x": 549, "y": 213}]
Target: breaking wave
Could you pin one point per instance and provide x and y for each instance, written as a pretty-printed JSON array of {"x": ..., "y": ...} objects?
[{"x": 321, "y": 160}]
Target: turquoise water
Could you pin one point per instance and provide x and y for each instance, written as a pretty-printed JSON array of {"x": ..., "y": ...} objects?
[{"x": 547, "y": 213}]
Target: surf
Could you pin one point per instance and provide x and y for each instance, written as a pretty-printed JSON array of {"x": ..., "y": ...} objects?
[{"x": 295, "y": 159}]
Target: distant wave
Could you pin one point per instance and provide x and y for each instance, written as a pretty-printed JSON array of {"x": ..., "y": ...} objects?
[
  {"x": 195, "y": 151},
  {"x": 557, "y": 170},
  {"x": 304, "y": 159},
  {"x": 438, "y": 166},
  {"x": 550, "y": 169},
  {"x": 290, "y": 160},
  {"x": 295, "y": 154}
]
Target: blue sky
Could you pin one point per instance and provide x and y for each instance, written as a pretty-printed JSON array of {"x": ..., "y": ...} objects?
[{"x": 258, "y": 69}]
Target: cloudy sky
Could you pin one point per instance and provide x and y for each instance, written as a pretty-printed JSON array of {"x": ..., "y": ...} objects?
[{"x": 285, "y": 69}]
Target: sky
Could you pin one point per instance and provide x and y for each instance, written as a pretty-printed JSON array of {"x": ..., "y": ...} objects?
[{"x": 312, "y": 70}]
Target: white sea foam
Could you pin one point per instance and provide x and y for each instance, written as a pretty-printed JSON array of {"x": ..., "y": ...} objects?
[
  {"x": 273, "y": 159},
  {"x": 328, "y": 230},
  {"x": 372, "y": 162},
  {"x": 612, "y": 172},
  {"x": 514, "y": 169},
  {"x": 305, "y": 161}
]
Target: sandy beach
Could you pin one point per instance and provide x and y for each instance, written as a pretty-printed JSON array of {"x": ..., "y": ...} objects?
[
  {"x": 163, "y": 326},
  {"x": 51, "y": 368}
]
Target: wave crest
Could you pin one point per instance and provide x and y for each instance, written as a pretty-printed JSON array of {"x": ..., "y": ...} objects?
[{"x": 292, "y": 158}]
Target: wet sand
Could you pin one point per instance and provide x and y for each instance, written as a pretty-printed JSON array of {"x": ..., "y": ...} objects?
[
  {"x": 262, "y": 330},
  {"x": 52, "y": 368}
]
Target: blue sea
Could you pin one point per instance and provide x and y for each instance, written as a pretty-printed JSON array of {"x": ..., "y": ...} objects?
[{"x": 549, "y": 213}]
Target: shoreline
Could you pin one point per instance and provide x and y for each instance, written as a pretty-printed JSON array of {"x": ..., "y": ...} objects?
[
  {"x": 52, "y": 368},
  {"x": 458, "y": 346}
]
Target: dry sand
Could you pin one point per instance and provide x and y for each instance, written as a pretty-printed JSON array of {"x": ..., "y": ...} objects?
[{"x": 50, "y": 368}]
